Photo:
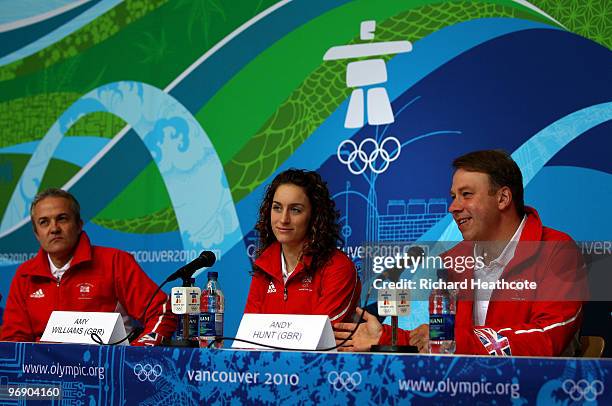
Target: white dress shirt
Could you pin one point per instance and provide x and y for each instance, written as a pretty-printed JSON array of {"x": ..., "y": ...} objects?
[
  {"x": 491, "y": 273},
  {"x": 58, "y": 272}
]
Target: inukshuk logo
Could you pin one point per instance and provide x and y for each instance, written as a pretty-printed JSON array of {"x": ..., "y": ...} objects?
[
  {"x": 147, "y": 372},
  {"x": 367, "y": 76}
]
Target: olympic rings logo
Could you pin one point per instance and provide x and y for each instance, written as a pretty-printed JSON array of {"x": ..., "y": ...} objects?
[
  {"x": 147, "y": 372},
  {"x": 583, "y": 389},
  {"x": 366, "y": 158},
  {"x": 344, "y": 380}
]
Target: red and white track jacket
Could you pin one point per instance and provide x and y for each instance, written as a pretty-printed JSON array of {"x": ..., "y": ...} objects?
[
  {"x": 541, "y": 323},
  {"x": 98, "y": 279},
  {"x": 333, "y": 290}
]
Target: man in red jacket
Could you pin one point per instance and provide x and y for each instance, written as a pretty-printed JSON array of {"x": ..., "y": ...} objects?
[
  {"x": 487, "y": 206},
  {"x": 70, "y": 274}
]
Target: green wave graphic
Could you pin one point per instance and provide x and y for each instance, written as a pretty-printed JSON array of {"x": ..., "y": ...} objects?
[
  {"x": 161, "y": 221},
  {"x": 99, "y": 30},
  {"x": 100, "y": 124},
  {"x": 590, "y": 18},
  {"x": 12, "y": 165},
  {"x": 29, "y": 118},
  {"x": 153, "y": 49},
  {"x": 144, "y": 206}
]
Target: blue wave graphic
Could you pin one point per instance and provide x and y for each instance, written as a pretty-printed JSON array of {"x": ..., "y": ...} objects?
[
  {"x": 570, "y": 198},
  {"x": 41, "y": 35},
  {"x": 181, "y": 149},
  {"x": 76, "y": 150},
  {"x": 542, "y": 147},
  {"x": 20, "y": 10}
]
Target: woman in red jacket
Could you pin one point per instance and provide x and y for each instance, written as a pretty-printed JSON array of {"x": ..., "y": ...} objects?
[{"x": 298, "y": 267}]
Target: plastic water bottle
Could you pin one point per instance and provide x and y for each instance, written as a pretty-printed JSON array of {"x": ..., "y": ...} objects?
[
  {"x": 442, "y": 319},
  {"x": 212, "y": 308}
]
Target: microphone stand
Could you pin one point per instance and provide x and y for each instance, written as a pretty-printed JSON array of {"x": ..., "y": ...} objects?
[
  {"x": 394, "y": 348},
  {"x": 184, "y": 341}
]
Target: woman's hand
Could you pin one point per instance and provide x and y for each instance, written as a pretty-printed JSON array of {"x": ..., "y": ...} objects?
[{"x": 367, "y": 333}]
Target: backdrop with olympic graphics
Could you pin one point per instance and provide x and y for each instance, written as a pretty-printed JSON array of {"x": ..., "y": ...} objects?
[{"x": 167, "y": 119}]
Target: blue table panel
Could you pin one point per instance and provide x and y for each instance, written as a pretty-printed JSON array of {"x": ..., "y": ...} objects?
[{"x": 103, "y": 375}]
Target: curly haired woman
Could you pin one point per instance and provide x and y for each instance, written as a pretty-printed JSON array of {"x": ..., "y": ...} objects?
[{"x": 299, "y": 269}]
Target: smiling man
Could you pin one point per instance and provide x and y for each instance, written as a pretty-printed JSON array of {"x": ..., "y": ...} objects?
[
  {"x": 488, "y": 208},
  {"x": 69, "y": 273}
]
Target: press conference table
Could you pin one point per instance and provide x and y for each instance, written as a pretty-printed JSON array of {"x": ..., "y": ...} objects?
[{"x": 104, "y": 375}]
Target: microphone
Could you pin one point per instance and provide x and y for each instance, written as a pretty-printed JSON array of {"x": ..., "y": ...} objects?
[
  {"x": 190, "y": 296},
  {"x": 206, "y": 259}
]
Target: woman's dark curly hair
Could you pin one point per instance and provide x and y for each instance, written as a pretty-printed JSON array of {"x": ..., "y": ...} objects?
[{"x": 323, "y": 235}]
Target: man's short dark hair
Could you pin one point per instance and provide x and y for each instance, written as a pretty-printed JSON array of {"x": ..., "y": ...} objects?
[
  {"x": 502, "y": 171},
  {"x": 75, "y": 207}
]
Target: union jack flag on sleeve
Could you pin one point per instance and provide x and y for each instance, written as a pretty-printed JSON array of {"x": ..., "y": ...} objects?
[{"x": 493, "y": 342}]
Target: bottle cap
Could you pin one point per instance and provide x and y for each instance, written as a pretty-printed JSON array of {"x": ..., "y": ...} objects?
[{"x": 213, "y": 275}]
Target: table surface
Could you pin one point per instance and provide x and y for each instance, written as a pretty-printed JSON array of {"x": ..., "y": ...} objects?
[{"x": 105, "y": 375}]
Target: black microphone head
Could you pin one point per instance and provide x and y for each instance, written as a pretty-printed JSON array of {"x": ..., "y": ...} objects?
[{"x": 206, "y": 259}]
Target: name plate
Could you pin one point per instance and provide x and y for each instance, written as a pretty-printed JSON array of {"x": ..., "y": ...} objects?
[
  {"x": 291, "y": 331},
  {"x": 77, "y": 327},
  {"x": 393, "y": 302}
]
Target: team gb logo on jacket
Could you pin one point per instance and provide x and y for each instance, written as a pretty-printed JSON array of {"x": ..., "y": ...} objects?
[{"x": 85, "y": 290}]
